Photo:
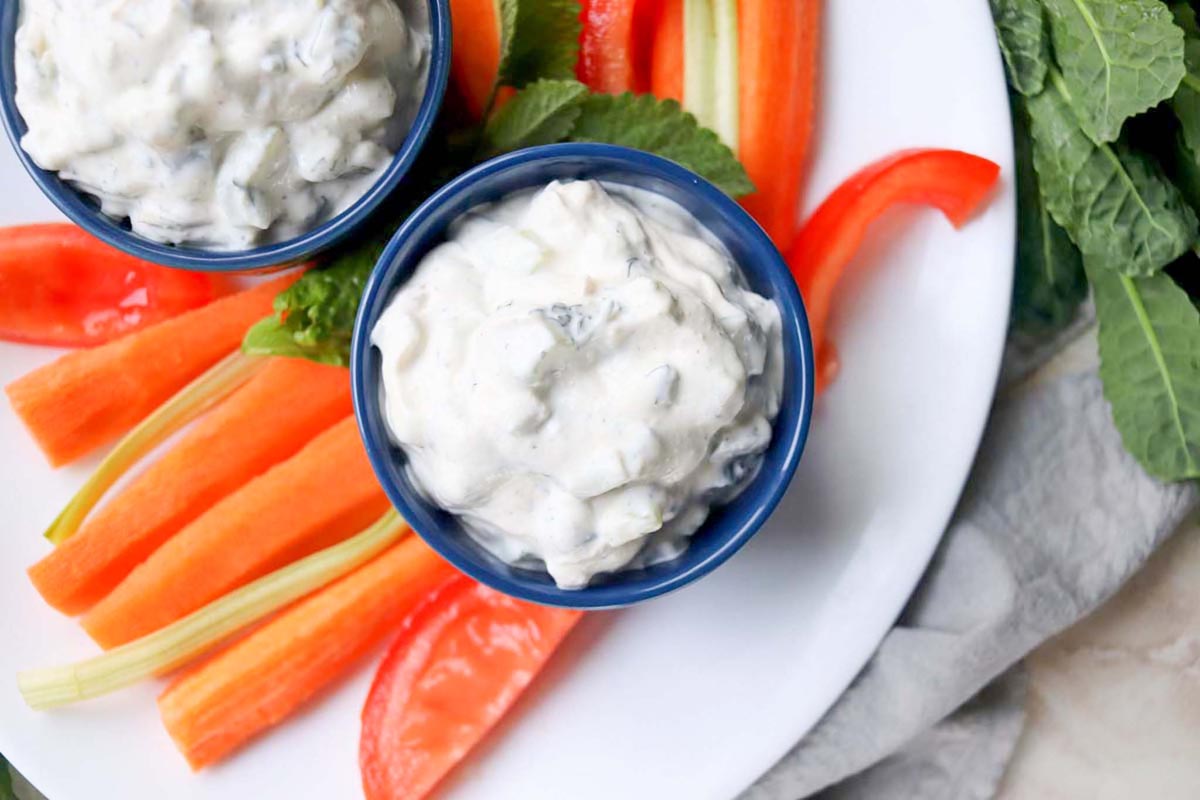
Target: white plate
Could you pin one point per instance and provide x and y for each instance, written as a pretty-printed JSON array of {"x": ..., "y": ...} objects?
[{"x": 698, "y": 693}]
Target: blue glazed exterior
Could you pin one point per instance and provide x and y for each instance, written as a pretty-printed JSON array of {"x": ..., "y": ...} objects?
[
  {"x": 86, "y": 213},
  {"x": 729, "y": 527}
]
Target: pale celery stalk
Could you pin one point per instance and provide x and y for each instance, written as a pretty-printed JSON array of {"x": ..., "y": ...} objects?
[
  {"x": 725, "y": 79},
  {"x": 187, "y": 404},
  {"x": 181, "y": 641},
  {"x": 710, "y": 66},
  {"x": 699, "y": 44}
]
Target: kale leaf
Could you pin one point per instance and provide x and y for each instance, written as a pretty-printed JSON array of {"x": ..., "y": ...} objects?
[
  {"x": 1149, "y": 363},
  {"x": 1118, "y": 58},
  {"x": 1049, "y": 283},
  {"x": 1024, "y": 42},
  {"x": 1115, "y": 201}
]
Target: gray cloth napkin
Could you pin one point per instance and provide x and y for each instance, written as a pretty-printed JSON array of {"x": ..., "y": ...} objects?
[{"x": 1055, "y": 517}]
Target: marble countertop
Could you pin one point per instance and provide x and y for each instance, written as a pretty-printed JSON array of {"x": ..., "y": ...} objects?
[{"x": 1113, "y": 710}]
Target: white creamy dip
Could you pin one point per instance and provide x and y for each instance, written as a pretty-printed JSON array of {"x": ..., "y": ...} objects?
[
  {"x": 580, "y": 373},
  {"x": 222, "y": 124}
]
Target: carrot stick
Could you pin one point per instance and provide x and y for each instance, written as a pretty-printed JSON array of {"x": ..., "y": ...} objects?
[
  {"x": 475, "y": 58},
  {"x": 257, "y": 682},
  {"x": 666, "y": 63},
  {"x": 778, "y": 45},
  {"x": 316, "y": 498},
  {"x": 181, "y": 642},
  {"x": 264, "y": 422},
  {"x": 185, "y": 406},
  {"x": 90, "y": 397}
]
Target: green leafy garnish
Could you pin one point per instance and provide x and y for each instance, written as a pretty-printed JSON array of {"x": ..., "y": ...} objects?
[
  {"x": 1185, "y": 170},
  {"x": 1024, "y": 42},
  {"x": 1116, "y": 203},
  {"x": 1114, "y": 110},
  {"x": 1118, "y": 58},
  {"x": 1186, "y": 102},
  {"x": 544, "y": 112},
  {"x": 664, "y": 128},
  {"x": 1049, "y": 283},
  {"x": 1150, "y": 365},
  {"x": 539, "y": 40},
  {"x": 314, "y": 317}
]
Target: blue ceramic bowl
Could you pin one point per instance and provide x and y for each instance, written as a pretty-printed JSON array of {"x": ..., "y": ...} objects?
[
  {"x": 728, "y": 527},
  {"x": 84, "y": 211}
]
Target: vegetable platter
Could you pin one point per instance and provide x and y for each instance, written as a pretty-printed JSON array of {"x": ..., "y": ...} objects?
[{"x": 910, "y": 315}]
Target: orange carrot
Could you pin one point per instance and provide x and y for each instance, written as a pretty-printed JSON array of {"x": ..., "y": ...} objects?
[
  {"x": 217, "y": 707},
  {"x": 475, "y": 59},
  {"x": 261, "y": 424},
  {"x": 88, "y": 398},
  {"x": 778, "y": 43},
  {"x": 666, "y": 62},
  {"x": 316, "y": 498}
]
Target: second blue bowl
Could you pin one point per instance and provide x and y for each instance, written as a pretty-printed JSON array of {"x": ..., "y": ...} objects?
[
  {"x": 85, "y": 211},
  {"x": 728, "y": 527}
]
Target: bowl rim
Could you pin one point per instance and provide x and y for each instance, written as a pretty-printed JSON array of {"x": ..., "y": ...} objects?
[
  {"x": 328, "y": 234},
  {"x": 389, "y": 273}
]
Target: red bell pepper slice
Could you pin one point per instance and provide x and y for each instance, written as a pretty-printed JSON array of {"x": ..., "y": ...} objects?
[
  {"x": 666, "y": 60},
  {"x": 60, "y": 286},
  {"x": 460, "y": 662},
  {"x": 950, "y": 180},
  {"x": 615, "y": 43}
]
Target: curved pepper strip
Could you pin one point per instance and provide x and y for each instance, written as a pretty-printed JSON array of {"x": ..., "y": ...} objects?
[
  {"x": 460, "y": 662},
  {"x": 950, "y": 180}
]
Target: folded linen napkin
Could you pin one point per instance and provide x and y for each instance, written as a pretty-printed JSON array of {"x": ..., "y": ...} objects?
[{"x": 1056, "y": 516}]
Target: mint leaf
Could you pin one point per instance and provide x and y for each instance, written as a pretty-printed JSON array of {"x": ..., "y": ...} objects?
[
  {"x": 1149, "y": 341},
  {"x": 1118, "y": 58},
  {"x": 539, "y": 39},
  {"x": 663, "y": 128},
  {"x": 1115, "y": 202},
  {"x": 1049, "y": 283},
  {"x": 1024, "y": 42},
  {"x": 314, "y": 317},
  {"x": 543, "y": 112}
]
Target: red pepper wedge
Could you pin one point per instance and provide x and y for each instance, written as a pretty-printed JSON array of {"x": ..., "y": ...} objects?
[
  {"x": 460, "y": 662},
  {"x": 950, "y": 180},
  {"x": 615, "y": 41},
  {"x": 61, "y": 286}
]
